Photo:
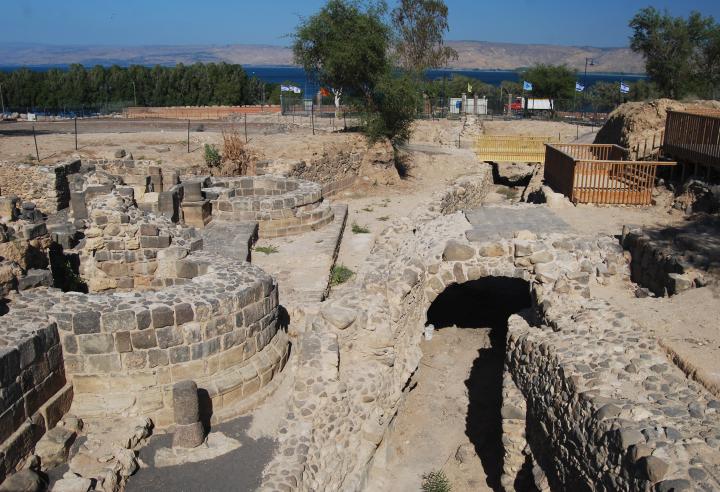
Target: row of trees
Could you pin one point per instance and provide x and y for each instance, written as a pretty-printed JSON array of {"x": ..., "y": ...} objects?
[{"x": 101, "y": 87}]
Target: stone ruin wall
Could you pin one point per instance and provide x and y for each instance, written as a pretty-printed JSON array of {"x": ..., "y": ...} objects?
[
  {"x": 281, "y": 206},
  {"x": 605, "y": 407},
  {"x": 45, "y": 186},
  {"x": 337, "y": 169},
  {"x": 160, "y": 311},
  {"x": 35, "y": 393}
]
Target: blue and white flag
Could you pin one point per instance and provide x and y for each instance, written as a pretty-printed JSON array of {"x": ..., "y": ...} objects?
[
  {"x": 527, "y": 86},
  {"x": 624, "y": 88},
  {"x": 285, "y": 88},
  {"x": 579, "y": 87},
  {"x": 295, "y": 89}
]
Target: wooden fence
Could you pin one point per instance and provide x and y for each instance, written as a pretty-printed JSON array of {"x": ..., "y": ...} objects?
[
  {"x": 511, "y": 148},
  {"x": 693, "y": 137},
  {"x": 587, "y": 173}
]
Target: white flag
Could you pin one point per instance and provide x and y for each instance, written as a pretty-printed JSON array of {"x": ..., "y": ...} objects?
[
  {"x": 579, "y": 87},
  {"x": 624, "y": 88}
]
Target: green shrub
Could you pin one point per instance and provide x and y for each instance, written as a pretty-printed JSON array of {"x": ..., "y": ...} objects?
[
  {"x": 358, "y": 229},
  {"x": 268, "y": 250},
  {"x": 340, "y": 274},
  {"x": 436, "y": 481},
  {"x": 212, "y": 156}
]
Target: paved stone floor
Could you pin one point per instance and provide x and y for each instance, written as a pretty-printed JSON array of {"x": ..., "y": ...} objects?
[
  {"x": 490, "y": 222},
  {"x": 238, "y": 470}
]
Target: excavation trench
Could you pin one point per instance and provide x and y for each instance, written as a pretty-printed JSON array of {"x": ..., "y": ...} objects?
[{"x": 450, "y": 418}]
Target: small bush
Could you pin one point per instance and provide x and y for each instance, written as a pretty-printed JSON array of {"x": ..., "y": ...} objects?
[
  {"x": 236, "y": 157},
  {"x": 268, "y": 250},
  {"x": 211, "y": 156},
  {"x": 340, "y": 274},
  {"x": 358, "y": 229},
  {"x": 436, "y": 481}
]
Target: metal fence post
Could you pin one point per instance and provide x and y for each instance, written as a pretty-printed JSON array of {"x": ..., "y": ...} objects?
[
  {"x": 246, "y": 137},
  {"x": 37, "y": 152}
]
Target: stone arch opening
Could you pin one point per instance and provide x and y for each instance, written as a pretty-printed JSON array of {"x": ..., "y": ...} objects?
[{"x": 485, "y": 306}]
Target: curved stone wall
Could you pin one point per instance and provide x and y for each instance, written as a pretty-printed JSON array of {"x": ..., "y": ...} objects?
[
  {"x": 282, "y": 206},
  {"x": 123, "y": 351}
]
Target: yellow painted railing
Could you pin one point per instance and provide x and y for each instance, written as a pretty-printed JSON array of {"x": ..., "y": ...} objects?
[{"x": 511, "y": 148}]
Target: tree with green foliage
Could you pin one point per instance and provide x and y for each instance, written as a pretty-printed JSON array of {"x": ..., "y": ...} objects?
[
  {"x": 345, "y": 46},
  {"x": 555, "y": 82},
  {"x": 396, "y": 99},
  {"x": 681, "y": 55},
  {"x": 420, "y": 26}
]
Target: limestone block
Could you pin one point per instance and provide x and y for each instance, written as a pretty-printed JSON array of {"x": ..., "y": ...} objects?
[
  {"x": 340, "y": 317},
  {"x": 457, "y": 251}
]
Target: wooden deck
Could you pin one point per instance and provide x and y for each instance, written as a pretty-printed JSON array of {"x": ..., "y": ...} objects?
[
  {"x": 693, "y": 137},
  {"x": 511, "y": 148},
  {"x": 599, "y": 174}
]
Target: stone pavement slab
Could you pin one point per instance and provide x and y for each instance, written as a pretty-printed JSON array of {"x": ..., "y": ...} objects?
[
  {"x": 303, "y": 262},
  {"x": 230, "y": 239},
  {"x": 490, "y": 222}
]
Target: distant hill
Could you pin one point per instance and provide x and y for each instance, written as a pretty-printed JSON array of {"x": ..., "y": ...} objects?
[{"x": 473, "y": 54}]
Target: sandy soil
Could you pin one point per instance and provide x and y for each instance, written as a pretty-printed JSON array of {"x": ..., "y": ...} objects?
[
  {"x": 564, "y": 131},
  {"x": 166, "y": 140}
]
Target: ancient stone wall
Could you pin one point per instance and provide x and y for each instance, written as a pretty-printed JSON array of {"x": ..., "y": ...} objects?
[
  {"x": 605, "y": 408},
  {"x": 660, "y": 265},
  {"x": 281, "y": 206},
  {"x": 124, "y": 248},
  {"x": 123, "y": 352},
  {"x": 32, "y": 383},
  {"x": 45, "y": 186}
]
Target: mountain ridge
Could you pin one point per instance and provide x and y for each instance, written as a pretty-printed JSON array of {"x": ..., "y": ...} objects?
[{"x": 482, "y": 55}]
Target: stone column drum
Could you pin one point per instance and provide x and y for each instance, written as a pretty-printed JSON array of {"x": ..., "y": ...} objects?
[{"x": 189, "y": 432}]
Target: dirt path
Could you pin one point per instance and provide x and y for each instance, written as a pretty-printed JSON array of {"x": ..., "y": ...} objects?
[{"x": 430, "y": 432}]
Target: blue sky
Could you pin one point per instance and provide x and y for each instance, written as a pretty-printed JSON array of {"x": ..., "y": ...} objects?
[{"x": 136, "y": 22}]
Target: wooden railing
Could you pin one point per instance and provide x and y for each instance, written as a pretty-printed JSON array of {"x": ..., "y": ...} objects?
[
  {"x": 693, "y": 137},
  {"x": 511, "y": 148},
  {"x": 599, "y": 174}
]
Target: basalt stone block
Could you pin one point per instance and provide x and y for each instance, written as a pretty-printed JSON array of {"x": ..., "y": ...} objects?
[
  {"x": 149, "y": 230},
  {"x": 189, "y": 432},
  {"x": 168, "y": 336},
  {"x": 186, "y": 269},
  {"x": 162, "y": 316},
  {"x": 183, "y": 313},
  {"x": 123, "y": 342},
  {"x": 99, "y": 343},
  {"x": 143, "y": 339},
  {"x": 118, "y": 320},
  {"x": 157, "y": 357},
  {"x": 144, "y": 319},
  {"x": 86, "y": 322}
]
